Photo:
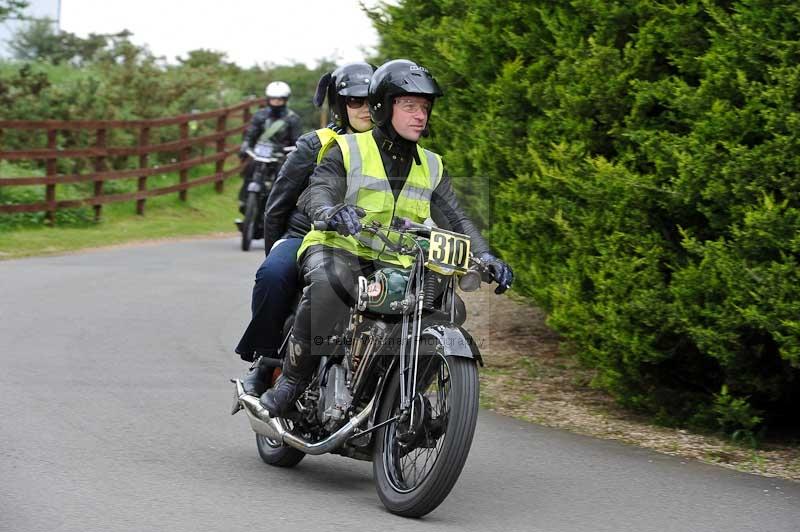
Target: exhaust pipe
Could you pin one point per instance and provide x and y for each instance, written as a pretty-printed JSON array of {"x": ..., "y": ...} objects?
[{"x": 275, "y": 429}]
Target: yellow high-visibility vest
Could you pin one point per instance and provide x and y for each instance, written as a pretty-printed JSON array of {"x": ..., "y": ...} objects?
[
  {"x": 368, "y": 187},
  {"x": 326, "y": 135}
]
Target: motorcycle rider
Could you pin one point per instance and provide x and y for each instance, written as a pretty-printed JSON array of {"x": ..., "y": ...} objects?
[
  {"x": 285, "y": 226},
  {"x": 275, "y": 123},
  {"x": 387, "y": 174}
]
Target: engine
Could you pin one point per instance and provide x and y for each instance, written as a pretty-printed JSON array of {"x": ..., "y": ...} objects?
[{"x": 334, "y": 398}]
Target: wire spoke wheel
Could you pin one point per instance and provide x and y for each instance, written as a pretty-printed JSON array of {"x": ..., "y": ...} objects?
[
  {"x": 276, "y": 453},
  {"x": 408, "y": 464},
  {"x": 418, "y": 458}
]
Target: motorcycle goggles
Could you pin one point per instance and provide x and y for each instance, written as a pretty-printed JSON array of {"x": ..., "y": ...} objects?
[
  {"x": 411, "y": 106},
  {"x": 355, "y": 102}
]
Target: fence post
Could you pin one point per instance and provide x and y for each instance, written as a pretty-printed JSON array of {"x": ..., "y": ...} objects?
[
  {"x": 222, "y": 122},
  {"x": 99, "y": 166},
  {"x": 183, "y": 156},
  {"x": 52, "y": 170},
  {"x": 246, "y": 115},
  {"x": 144, "y": 141}
]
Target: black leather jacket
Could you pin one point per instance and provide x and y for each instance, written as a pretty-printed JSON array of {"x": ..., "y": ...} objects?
[
  {"x": 282, "y": 219},
  {"x": 285, "y": 137},
  {"x": 327, "y": 187}
]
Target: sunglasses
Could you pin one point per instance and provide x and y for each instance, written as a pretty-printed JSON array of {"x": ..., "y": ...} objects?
[{"x": 355, "y": 102}]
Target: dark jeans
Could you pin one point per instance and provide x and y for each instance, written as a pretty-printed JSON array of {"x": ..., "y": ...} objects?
[{"x": 273, "y": 293}]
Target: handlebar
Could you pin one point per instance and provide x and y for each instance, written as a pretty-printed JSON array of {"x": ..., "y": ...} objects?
[
  {"x": 250, "y": 153},
  {"x": 404, "y": 226},
  {"x": 273, "y": 158},
  {"x": 477, "y": 271},
  {"x": 320, "y": 225}
]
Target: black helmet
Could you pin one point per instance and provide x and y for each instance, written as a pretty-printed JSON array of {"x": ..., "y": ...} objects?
[
  {"x": 395, "y": 78},
  {"x": 351, "y": 79}
]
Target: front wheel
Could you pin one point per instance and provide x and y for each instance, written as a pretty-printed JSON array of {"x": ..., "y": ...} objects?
[
  {"x": 249, "y": 223},
  {"x": 417, "y": 462}
]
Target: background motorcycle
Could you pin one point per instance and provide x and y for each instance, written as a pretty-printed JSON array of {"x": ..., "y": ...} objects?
[
  {"x": 267, "y": 159},
  {"x": 399, "y": 387}
]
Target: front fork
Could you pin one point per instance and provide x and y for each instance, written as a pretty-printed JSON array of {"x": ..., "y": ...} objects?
[{"x": 409, "y": 344}]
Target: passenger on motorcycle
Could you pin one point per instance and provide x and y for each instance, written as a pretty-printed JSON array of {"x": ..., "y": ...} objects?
[
  {"x": 276, "y": 284},
  {"x": 385, "y": 173},
  {"x": 275, "y": 123}
]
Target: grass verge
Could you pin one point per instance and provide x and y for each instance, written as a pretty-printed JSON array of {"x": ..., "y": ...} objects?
[{"x": 204, "y": 212}]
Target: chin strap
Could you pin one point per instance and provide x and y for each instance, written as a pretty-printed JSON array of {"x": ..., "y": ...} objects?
[{"x": 392, "y": 142}]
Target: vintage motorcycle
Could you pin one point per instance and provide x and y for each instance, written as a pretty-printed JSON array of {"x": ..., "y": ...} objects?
[
  {"x": 267, "y": 158},
  {"x": 399, "y": 386}
]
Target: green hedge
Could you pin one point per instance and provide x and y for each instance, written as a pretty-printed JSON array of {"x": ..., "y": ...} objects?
[{"x": 643, "y": 160}]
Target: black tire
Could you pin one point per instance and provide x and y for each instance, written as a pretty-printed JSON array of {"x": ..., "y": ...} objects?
[
  {"x": 277, "y": 455},
  {"x": 249, "y": 223},
  {"x": 462, "y": 415}
]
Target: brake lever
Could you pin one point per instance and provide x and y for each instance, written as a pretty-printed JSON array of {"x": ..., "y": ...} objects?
[{"x": 486, "y": 274}]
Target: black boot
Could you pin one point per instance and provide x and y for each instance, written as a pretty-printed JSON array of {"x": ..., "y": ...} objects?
[
  {"x": 258, "y": 378},
  {"x": 298, "y": 366}
]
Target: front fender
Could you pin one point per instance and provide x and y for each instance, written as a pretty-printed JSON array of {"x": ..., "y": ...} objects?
[{"x": 453, "y": 339}]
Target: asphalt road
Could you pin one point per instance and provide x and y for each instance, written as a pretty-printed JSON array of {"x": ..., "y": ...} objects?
[{"x": 114, "y": 415}]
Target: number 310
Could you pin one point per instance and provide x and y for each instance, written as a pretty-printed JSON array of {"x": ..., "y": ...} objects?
[{"x": 449, "y": 249}]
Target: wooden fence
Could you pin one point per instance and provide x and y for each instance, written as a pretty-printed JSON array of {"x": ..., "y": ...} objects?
[{"x": 229, "y": 121}]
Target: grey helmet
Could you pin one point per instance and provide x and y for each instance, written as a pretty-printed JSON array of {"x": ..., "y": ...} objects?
[{"x": 351, "y": 79}]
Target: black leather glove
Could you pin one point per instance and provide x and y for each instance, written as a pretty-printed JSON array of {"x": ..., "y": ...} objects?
[
  {"x": 501, "y": 272},
  {"x": 342, "y": 218}
]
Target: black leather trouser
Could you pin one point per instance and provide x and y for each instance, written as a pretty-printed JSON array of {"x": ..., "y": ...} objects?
[{"x": 330, "y": 277}]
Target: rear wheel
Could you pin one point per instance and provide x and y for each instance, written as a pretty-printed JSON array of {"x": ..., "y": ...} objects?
[
  {"x": 418, "y": 461},
  {"x": 249, "y": 223},
  {"x": 276, "y": 454}
]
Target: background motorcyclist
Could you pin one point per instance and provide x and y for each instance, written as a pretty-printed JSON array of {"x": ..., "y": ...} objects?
[
  {"x": 275, "y": 123},
  {"x": 395, "y": 176},
  {"x": 285, "y": 226}
]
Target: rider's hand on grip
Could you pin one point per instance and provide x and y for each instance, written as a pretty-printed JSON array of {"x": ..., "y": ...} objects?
[
  {"x": 342, "y": 218},
  {"x": 501, "y": 272}
]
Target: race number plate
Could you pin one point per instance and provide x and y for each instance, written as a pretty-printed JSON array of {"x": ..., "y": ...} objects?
[{"x": 448, "y": 252}]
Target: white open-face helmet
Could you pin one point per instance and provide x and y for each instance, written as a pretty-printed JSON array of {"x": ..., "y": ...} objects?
[{"x": 278, "y": 89}]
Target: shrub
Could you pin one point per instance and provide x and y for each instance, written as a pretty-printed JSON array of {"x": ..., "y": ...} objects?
[{"x": 643, "y": 169}]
